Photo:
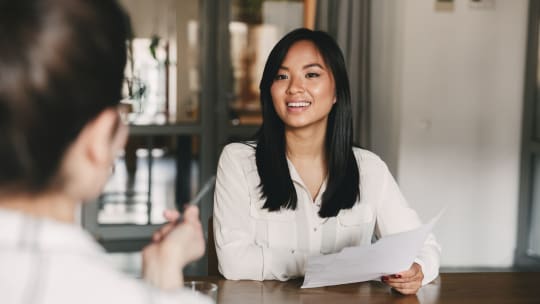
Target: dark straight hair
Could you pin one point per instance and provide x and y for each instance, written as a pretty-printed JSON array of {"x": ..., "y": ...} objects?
[
  {"x": 277, "y": 187},
  {"x": 61, "y": 64}
]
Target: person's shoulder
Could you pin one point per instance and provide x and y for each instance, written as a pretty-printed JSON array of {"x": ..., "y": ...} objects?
[
  {"x": 368, "y": 160},
  {"x": 239, "y": 151},
  {"x": 240, "y": 148},
  {"x": 363, "y": 155}
]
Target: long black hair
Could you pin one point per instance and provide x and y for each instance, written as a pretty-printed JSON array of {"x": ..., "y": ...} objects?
[{"x": 277, "y": 187}]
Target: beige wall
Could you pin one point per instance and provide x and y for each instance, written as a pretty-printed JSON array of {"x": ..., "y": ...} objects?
[{"x": 448, "y": 94}]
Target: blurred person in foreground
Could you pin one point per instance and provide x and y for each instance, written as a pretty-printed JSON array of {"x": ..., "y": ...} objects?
[{"x": 61, "y": 73}]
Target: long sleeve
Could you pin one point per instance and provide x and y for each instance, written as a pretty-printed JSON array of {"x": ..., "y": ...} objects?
[
  {"x": 63, "y": 264},
  {"x": 235, "y": 229},
  {"x": 395, "y": 215}
]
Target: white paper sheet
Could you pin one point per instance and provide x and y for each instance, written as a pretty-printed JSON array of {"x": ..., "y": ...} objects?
[{"x": 389, "y": 255}]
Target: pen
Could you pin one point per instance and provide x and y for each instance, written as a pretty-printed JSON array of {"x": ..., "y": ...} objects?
[{"x": 195, "y": 201}]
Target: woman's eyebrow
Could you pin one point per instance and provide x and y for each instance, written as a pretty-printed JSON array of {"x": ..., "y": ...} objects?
[{"x": 307, "y": 66}]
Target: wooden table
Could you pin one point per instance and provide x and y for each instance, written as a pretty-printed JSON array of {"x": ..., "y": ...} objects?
[{"x": 502, "y": 287}]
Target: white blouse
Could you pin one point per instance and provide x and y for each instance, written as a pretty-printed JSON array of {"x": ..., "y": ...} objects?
[
  {"x": 44, "y": 261},
  {"x": 253, "y": 243}
]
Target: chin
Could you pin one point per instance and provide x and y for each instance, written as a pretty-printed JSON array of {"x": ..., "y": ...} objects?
[{"x": 296, "y": 126}]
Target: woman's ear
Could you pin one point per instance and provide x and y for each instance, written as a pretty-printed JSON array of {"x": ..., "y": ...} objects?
[
  {"x": 103, "y": 137},
  {"x": 88, "y": 162},
  {"x": 119, "y": 135}
]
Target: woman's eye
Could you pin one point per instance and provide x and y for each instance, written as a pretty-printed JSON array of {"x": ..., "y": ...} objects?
[
  {"x": 280, "y": 77},
  {"x": 312, "y": 75}
]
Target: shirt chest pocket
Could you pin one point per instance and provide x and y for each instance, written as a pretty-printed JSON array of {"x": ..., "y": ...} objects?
[
  {"x": 272, "y": 229},
  {"x": 355, "y": 226}
]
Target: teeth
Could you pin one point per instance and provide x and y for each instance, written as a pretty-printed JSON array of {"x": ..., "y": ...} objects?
[{"x": 298, "y": 104}]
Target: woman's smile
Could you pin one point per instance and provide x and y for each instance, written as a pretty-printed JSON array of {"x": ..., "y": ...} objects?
[{"x": 298, "y": 106}]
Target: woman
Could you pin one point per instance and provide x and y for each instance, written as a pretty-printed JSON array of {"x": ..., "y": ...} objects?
[
  {"x": 61, "y": 72},
  {"x": 301, "y": 188}
]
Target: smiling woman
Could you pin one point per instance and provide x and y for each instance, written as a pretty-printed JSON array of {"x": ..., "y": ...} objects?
[
  {"x": 303, "y": 90},
  {"x": 302, "y": 188}
]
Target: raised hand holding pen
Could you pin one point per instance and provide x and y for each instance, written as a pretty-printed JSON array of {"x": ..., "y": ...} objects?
[
  {"x": 173, "y": 247},
  {"x": 202, "y": 192},
  {"x": 175, "y": 244}
]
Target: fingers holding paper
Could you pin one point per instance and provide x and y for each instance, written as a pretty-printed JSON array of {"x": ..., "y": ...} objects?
[{"x": 406, "y": 282}]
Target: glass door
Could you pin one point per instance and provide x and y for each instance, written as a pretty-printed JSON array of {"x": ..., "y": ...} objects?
[
  {"x": 162, "y": 164},
  {"x": 191, "y": 87}
]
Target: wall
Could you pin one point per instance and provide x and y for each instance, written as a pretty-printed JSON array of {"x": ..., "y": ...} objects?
[{"x": 447, "y": 100}]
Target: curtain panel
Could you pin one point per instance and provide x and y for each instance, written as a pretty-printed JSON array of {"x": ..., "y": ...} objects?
[{"x": 348, "y": 21}]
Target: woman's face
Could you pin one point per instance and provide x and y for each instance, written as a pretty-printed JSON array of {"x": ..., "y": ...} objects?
[{"x": 303, "y": 91}]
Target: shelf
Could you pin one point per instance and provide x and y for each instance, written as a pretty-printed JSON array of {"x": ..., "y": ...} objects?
[
  {"x": 190, "y": 129},
  {"x": 166, "y": 129}
]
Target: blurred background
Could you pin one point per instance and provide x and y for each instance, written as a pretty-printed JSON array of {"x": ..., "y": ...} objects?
[{"x": 444, "y": 91}]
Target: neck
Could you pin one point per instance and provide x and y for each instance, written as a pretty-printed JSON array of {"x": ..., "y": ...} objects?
[
  {"x": 53, "y": 206},
  {"x": 305, "y": 144}
]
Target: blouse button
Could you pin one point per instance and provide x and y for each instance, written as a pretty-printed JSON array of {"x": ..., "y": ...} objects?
[{"x": 315, "y": 229}]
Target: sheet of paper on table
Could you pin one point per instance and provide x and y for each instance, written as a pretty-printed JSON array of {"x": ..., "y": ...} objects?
[{"x": 391, "y": 254}]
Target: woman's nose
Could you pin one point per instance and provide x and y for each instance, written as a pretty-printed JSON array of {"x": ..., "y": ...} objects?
[{"x": 296, "y": 85}]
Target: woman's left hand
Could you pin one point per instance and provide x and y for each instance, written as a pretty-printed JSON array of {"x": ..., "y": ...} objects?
[{"x": 406, "y": 282}]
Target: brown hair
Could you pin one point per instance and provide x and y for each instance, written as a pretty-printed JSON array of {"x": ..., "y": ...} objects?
[{"x": 61, "y": 64}]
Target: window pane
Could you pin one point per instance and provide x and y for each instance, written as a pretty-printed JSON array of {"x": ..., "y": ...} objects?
[
  {"x": 188, "y": 49},
  {"x": 155, "y": 173},
  {"x": 254, "y": 29},
  {"x": 162, "y": 74}
]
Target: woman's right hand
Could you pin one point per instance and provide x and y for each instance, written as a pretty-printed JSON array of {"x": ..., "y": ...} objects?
[{"x": 173, "y": 246}]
